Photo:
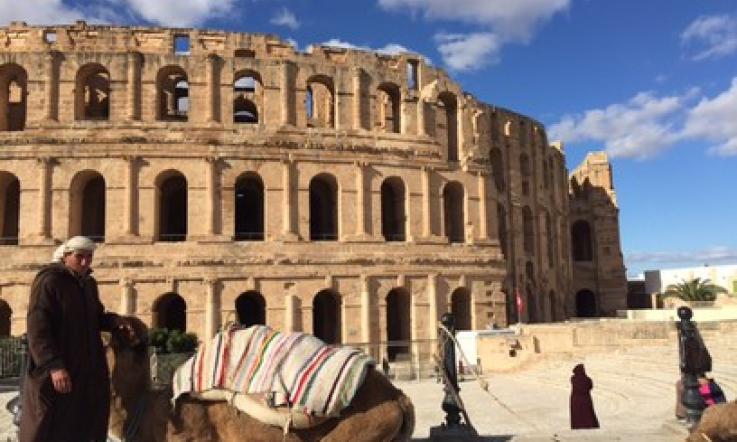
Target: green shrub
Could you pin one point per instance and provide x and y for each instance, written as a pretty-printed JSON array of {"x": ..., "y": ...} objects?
[{"x": 172, "y": 341}]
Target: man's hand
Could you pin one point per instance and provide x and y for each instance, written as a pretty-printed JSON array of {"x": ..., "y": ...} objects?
[{"x": 61, "y": 380}]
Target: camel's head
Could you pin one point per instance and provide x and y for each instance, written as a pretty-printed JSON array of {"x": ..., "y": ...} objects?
[{"x": 128, "y": 358}]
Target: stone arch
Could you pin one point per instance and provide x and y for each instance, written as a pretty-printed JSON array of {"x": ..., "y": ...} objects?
[
  {"x": 460, "y": 306},
  {"x": 586, "y": 304},
  {"x": 393, "y": 201},
  {"x": 172, "y": 94},
  {"x": 10, "y": 205},
  {"x": 87, "y": 205},
  {"x": 447, "y": 123},
  {"x": 326, "y": 317},
  {"x": 528, "y": 231},
  {"x": 323, "y": 208},
  {"x": 398, "y": 322},
  {"x": 171, "y": 206},
  {"x": 250, "y": 308},
  {"x": 501, "y": 213},
  {"x": 320, "y": 102},
  {"x": 453, "y": 208},
  {"x": 525, "y": 172},
  {"x": 247, "y": 97},
  {"x": 92, "y": 93},
  {"x": 6, "y": 314},
  {"x": 581, "y": 241},
  {"x": 497, "y": 168},
  {"x": 170, "y": 311},
  {"x": 388, "y": 103},
  {"x": 249, "y": 208},
  {"x": 13, "y": 94}
]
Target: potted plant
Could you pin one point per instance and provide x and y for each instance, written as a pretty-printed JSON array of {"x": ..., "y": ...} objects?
[{"x": 168, "y": 350}]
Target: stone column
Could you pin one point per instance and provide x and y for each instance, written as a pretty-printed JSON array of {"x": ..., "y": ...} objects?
[
  {"x": 212, "y": 307},
  {"x": 288, "y": 227},
  {"x": 357, "y": 98},
  {"x": 337, "y": 99},
  {"x": 483, "y": 214},
  {"x": 360, "y": 198},
  {"x": 50, "y": 85},
  {"x": 127, "y": 297},
  {"x": 212, "y": 88},
  {"x": 131, "y": 195},
  {"x": 45, "y": 166},
  {"x": 211, "y": 192},
  {"x": 426, "y": 202},
  {"x": 432, "y": 302},
  {"x": 289, "y": 312},
  {"x": 365, "y": 310},
  {"x": 421, "y": 116},
  {"x": 286, "y": 91},
  {"x": 134, "y": 69},
  {"x": 460, "y": 123}
]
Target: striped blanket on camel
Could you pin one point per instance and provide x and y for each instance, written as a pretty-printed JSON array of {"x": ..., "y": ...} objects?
[{"x": 295, "y": 369}]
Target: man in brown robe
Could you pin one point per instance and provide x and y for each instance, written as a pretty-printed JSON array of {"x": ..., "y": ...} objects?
[
  {"x": 582, "y": 406},
  {"x": 66, "y": 394}
]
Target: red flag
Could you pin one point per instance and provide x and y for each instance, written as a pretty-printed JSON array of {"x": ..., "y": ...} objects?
[{"x": 520, "y": 302}]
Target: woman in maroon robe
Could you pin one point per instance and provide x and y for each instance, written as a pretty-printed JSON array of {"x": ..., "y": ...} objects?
[{"x": 582, "y": 407}]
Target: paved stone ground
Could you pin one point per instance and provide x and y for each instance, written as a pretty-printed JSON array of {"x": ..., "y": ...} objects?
[{"x": 633, "y": 394}]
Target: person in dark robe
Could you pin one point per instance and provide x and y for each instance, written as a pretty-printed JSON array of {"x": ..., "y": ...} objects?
[
  {"x": 582, "y": 406},
  {"x": 66, "y": 393}
]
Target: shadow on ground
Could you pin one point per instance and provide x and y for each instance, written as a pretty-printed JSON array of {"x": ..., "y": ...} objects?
[{"x": 498, "y": 438}]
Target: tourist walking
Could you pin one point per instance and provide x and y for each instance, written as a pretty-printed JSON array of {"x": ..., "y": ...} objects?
[
  {"x": 66, "y": 394},
  {"x": 582, "y": 406}
]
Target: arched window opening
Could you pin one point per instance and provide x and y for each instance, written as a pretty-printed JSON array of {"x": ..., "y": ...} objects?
[
  {"x": 524, "y": 167},
  {"x": 528, "y": 229},
  {"x": 581, "y": 241},
  {"x": 460, "y": 302},
  {"x": 453, "y": 201},
  {"x": 398, "y": 322},
  {"x": 13, "y": 93},
  {"x": 320, "y": 102},
  {"x": 92, "y": 93},
  {"x": 494, "y": 126},
  {"x": 93, "y": 209},
  {"x": 326, "y": 318},
  {"x": 247, "y": 97},
  {"x": 551, "y": 240},
  {"x": 172, "y": 89},
  {"x": 546, "y": 174},
  {"x": 249, "y": 209},
  {"x": 172, "y": 208},
  {"x": 250, "y": 308},
  {"x": 323, "y": 208},
  {"x": 586, "y": 304},
  {"x": 497, "y": 168},
  {"x": 502, "y": 226},
  {"x": 393, "y": 218},
  {"x": 170, "y": 312},
  {"x": 6, "y": 314},
  {"x": 388, "y": 114},
  {"x": 10, "y": 204},
  {"x": 447, "y": 124}
]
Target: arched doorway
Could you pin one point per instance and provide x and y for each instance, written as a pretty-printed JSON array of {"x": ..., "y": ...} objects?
[
  {"x": 5, "y": 314},
  {"x": 251, "y": 308},
  {"x": 393, "y": 219},
  {"x": 249, "y": 208},
  {"x": 398, "y": 322},
  {"x": 172, "y": 204},
  {"x": 170, "y": 312},
  {"x": 586, "y": 304},
  {"x": 13, "y": 94},
  {"x": 10, "y": 194},
  {"x": 453, "y": 200},
  {"x": 326, "y": 318},
  {"x": 323, "y": 208},
  {"x": 92, "y": 93},
  {"x": 93, "y": 209},
  {"x": 460, "y": 302}
]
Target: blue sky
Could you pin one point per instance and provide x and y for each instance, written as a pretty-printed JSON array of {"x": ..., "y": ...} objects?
[{"x": 652, "y": 82}]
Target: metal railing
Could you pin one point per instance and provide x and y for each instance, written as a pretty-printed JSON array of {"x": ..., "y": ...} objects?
[
  {"x": 12, "y": 354},
  {"x": 403, "y": 360}
]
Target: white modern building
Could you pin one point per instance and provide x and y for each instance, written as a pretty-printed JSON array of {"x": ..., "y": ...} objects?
[{"x": 656, "y": 281}]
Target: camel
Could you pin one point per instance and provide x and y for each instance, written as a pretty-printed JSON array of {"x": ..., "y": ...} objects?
[
  {"x": 378, "y": 412},
  {"x": 717, "y": 424}
]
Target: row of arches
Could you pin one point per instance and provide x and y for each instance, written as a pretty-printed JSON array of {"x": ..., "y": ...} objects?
[
  {"x": 496, "y": 160},
  {"x": 88, "y": 207}
]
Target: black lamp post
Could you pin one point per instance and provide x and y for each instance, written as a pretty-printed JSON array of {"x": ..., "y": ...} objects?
[
  {"x": 449, "y": 405},
  {"x": 694, "y": 360}
]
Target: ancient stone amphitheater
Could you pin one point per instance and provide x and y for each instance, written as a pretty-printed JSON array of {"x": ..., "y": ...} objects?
[{"x": 227, "y": 176}]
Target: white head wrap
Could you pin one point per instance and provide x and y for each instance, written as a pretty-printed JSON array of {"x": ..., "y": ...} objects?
[
  {"x": 79, "y": 243},
  {"x": 58, "y": 254}
]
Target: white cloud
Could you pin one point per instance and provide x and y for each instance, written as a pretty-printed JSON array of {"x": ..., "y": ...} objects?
[
  {"x": 714, "y": 119},
  {"x": 712, "y": 255},
  {"x": 285, "y": 17},
  {"x": 639, "y": 128},
  {"x": 465, "y": 52},
  {"x": 390, "y": 49},
  {"x": 715, "y": 36},
  {"x": 179, "y": 13},
  {"x": 40, "y": 12}
]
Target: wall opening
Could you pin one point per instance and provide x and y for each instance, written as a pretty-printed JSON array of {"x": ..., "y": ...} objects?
[
  {"x": 320, "y": 102},
  {"x": 181, "y": 45},
  {"x": 453, "y": 201},
  {"x": 247, "y": 97},
  {"x": 326, "y": 318},
  {"x": 412, "y": 75},
  {"x": 460, "y": 302},
  {"x": 93, "y": 209},
  {"x": 170, "y": 312},
  {"x": 447, "y": 124},
  {"x": 393, "y": 219},
  {"x": 528, "y": 231},
  {"x": 388, "y": 108},
  {"x": 586, "y": 304},
  {"x": 13, "y": 93},
  {"x": 250, "y": 308},
  {"x": 6, "y": 314},
  {"x": 398, "y": 323},
  {"x": 92, "y": 93},
  {"x": 172, "y": 90},
  {"x": 249, "y": 208},
  {"x": 10, "y": 194},
  {"x": 524, "y": 167},
  {"x": 583, "y": 249},
  {"x": 172, "y": 199},
  {"x": 497, "y": 168},
  {"x": 323, "y": 208}
]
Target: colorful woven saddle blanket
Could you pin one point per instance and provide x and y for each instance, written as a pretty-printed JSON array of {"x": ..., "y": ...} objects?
[{"x": 296, "y": 370}]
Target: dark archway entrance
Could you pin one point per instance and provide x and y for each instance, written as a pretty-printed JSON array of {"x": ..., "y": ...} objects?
[
  {"x": 581, "y": 238},
  {"x": 250, "y": 308},
  {"x": 249, "y": 208},
  {"x": 586, "y": 304},
  {"x": 173, "y": 208},
  {"x": 453, "y": 212},
  {"x": 398, "y": 322},
  {"x": 93, "y": 209},
  {"x": 5, "y": 314},
  {"x": 170, "y": 311},
  {"x": 392, "y": 209},
  {"x": 323, "y": 208},
  {"x": 460, "y": 306},
  {"x": 326, "y": 317},
  {"x": 10, "y": 187}
]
